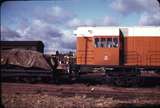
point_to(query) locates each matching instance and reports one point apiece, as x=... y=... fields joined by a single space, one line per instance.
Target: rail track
x=46 y=76
x=80 y=89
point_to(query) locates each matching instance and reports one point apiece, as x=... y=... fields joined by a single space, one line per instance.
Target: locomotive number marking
x=105 y=58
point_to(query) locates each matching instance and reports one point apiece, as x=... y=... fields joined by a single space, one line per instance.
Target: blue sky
x=54 y=21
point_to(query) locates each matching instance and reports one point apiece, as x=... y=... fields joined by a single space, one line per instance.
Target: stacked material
x=24 y=58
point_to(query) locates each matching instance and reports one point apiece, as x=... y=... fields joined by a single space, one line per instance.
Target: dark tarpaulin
x=24 y=58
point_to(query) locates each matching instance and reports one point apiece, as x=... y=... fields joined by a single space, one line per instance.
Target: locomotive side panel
x=106 y=56
x=102 y=52
x=137 y=46
x=141 y=50
x=106 y=50
x=85 y=50
x=153 y=53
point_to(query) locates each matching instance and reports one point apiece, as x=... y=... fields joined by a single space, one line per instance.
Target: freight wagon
x=123 y=52
x=27 y=45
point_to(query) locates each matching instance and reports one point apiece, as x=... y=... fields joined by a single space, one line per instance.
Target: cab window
x=97 y=42
x=103 y=42
x=115 y=42
x=107 y=42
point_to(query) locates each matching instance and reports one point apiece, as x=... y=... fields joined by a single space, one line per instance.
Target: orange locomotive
x=104 y=46
x=118 y=48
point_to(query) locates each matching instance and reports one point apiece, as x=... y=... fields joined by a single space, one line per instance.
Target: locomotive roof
x=114 y=31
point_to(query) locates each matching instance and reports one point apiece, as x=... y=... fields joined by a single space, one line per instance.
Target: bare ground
x=77 y=96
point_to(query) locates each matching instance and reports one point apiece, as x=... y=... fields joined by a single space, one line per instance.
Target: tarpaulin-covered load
x=24 y=58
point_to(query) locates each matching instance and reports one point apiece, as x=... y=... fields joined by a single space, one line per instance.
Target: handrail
x=82 y=56
x=134 y=56
x=154 y=57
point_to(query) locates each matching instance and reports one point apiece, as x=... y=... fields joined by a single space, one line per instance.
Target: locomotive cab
x=98 y=46
x=106 y=50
